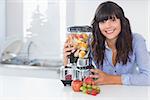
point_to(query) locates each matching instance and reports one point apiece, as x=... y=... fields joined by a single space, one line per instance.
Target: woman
x=115 y=50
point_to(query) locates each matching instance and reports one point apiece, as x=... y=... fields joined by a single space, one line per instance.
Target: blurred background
x=35 y=30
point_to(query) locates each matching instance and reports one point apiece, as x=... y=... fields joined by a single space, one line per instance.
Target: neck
x=111 y=43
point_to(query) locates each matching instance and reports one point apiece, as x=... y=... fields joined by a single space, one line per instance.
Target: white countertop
x=33 y=88
x=29 y=71
x=13 y=87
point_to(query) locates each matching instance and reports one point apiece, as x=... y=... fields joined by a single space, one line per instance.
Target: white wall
x=14 y=18
x=148 y=25
x=2 y=19
x=2 y=22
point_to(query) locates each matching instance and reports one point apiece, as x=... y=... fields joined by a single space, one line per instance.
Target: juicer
x=79 y=62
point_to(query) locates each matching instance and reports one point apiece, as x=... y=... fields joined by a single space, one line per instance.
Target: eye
x=113 y=19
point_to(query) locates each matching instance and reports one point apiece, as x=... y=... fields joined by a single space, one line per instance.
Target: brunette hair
x=108 y=10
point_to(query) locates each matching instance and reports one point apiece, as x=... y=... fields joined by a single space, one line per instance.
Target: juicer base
x=66 y=82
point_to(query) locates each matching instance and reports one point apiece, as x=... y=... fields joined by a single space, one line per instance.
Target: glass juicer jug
x=79 y=62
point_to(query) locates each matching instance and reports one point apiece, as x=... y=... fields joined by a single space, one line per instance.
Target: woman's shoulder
x=137 y=36
x=138 y=39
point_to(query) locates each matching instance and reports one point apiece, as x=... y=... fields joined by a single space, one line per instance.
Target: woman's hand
x=104 y=78
x=68 y=49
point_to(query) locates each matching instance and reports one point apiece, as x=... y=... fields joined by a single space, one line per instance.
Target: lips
x=109 y=31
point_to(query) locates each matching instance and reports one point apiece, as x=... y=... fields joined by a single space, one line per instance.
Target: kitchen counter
x=29 y=71
x=13 y=87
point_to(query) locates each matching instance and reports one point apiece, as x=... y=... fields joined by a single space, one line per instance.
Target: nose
x=108 y=23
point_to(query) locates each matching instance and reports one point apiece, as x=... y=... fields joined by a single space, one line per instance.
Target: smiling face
x=110 y=28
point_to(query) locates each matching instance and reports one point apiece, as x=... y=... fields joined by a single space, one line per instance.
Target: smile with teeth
x=109 y=31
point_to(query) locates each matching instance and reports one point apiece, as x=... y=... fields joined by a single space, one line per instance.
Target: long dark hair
x=106 y=11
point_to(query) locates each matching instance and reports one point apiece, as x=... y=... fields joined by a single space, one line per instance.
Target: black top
x=79 y=29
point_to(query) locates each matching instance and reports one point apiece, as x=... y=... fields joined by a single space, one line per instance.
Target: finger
x=67 y=54
x=94 y=76
x=69 y=46
x=67 y=40
x=97 y=77
x=96 y=71
x=65 y=45
x=98 y=82
x=68 y=50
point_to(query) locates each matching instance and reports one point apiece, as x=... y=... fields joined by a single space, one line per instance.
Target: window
x=44 y=23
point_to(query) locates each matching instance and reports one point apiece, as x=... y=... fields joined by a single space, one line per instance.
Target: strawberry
x=80 y=36
x=76 y=36
x=94 y=92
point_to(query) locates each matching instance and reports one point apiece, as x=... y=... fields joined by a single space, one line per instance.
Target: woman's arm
x=142 y=59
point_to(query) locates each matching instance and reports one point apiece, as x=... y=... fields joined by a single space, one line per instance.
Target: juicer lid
x=85 y=28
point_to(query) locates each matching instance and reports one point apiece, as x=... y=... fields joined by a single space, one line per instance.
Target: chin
x=111 y=38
